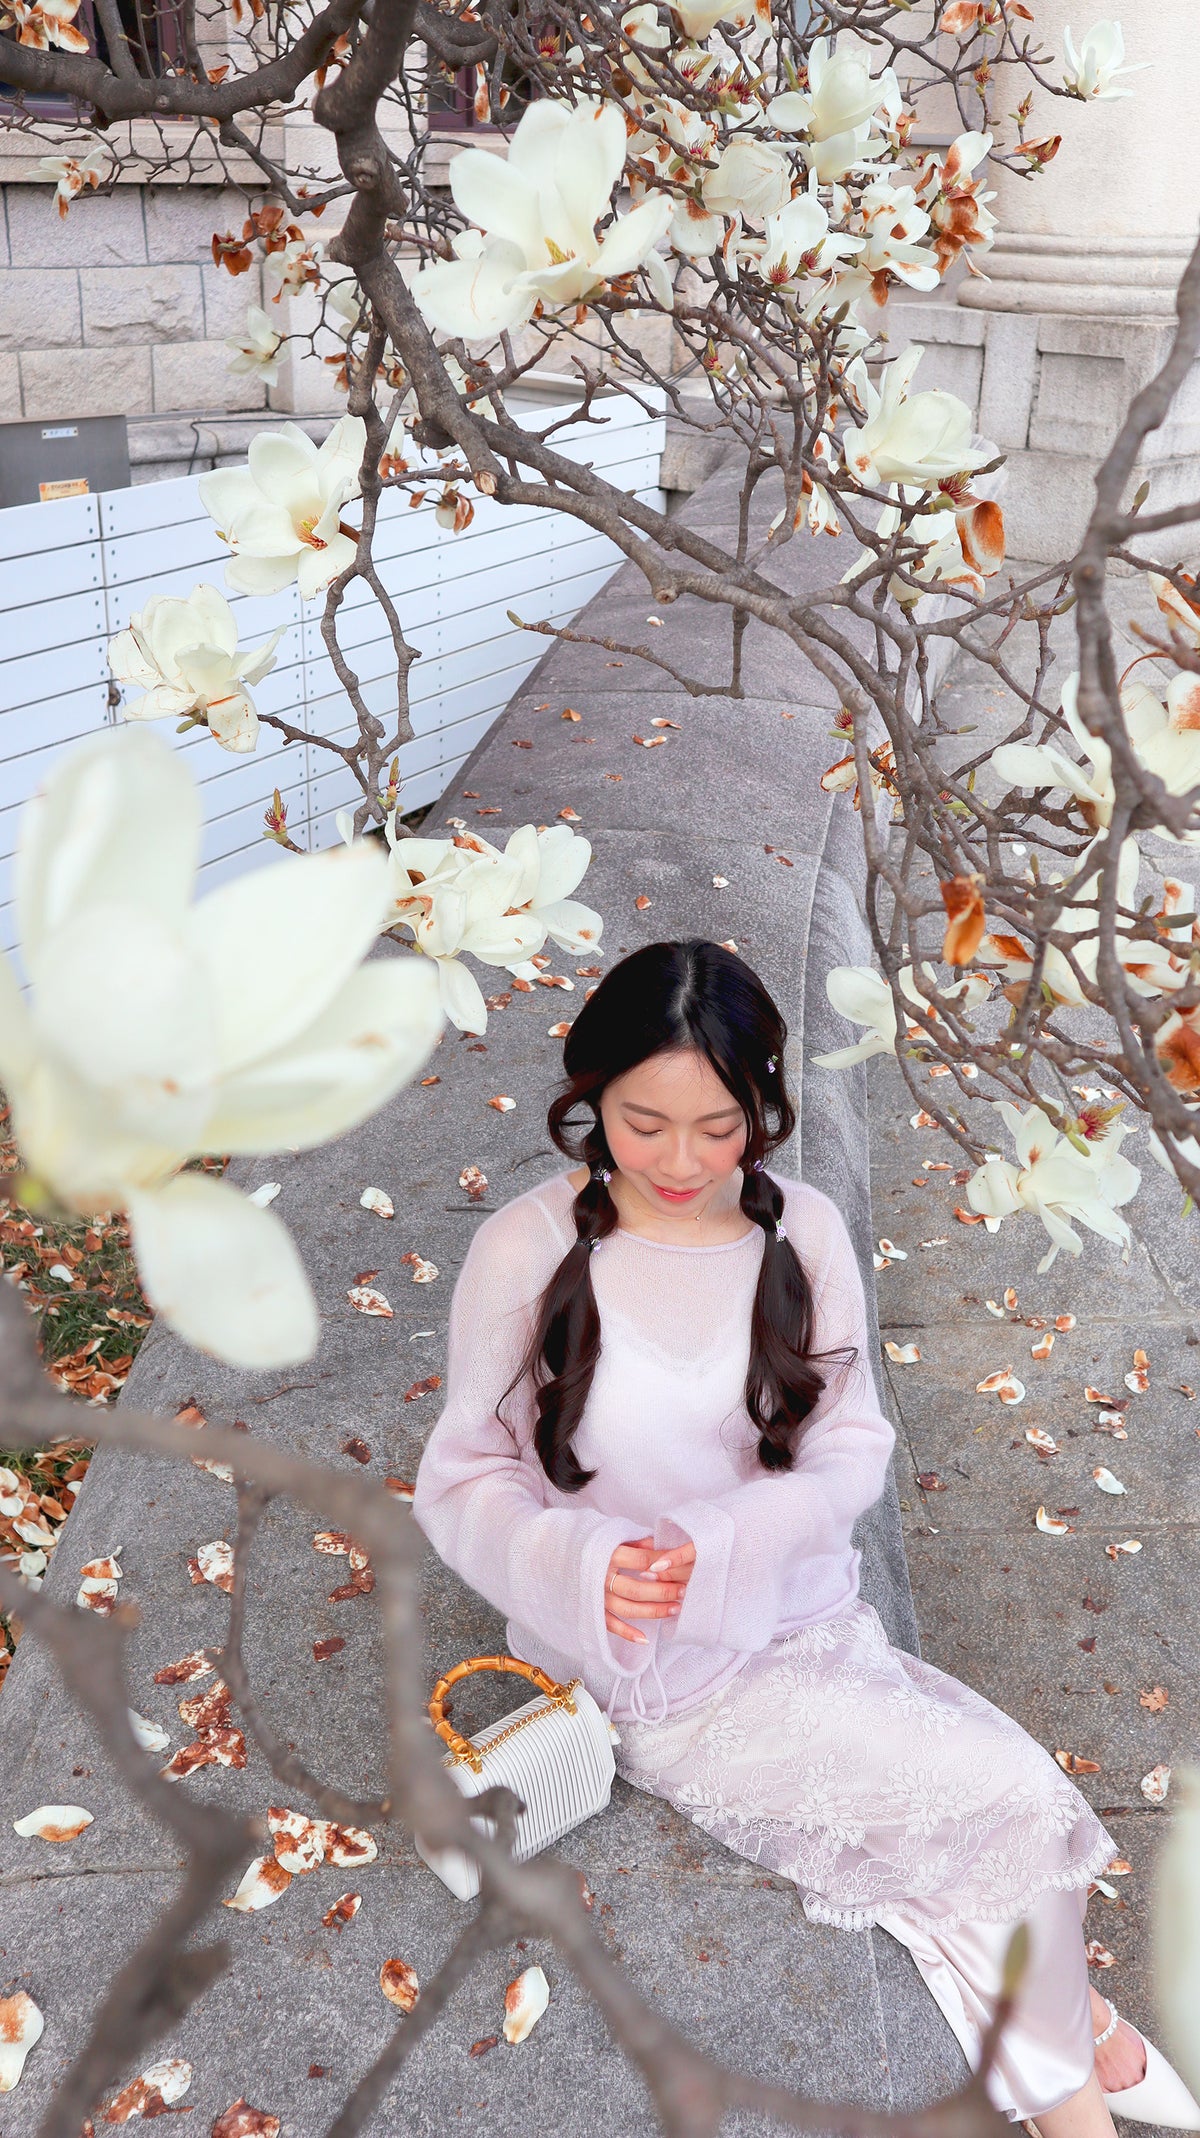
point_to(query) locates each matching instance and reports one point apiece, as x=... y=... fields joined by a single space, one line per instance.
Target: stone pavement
x=1056 y=1633
x=724 y=1951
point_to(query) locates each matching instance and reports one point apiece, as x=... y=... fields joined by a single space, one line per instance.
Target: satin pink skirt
x=893 y=1794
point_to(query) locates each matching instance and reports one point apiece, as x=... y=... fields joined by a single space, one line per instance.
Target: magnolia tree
x=708 y=202
x=714 y=201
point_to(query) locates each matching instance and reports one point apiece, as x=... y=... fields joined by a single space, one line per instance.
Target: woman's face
x=672 y=1124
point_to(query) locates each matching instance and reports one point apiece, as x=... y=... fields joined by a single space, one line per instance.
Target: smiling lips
x=676 y=1195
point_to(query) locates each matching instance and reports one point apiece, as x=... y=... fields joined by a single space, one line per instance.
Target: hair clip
x=771 y=1064
x=602 y=1173
x=780 y=1231
x=595 y=1244
x=757 y=1166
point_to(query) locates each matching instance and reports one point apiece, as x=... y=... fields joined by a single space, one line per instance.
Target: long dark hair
x=696 y=995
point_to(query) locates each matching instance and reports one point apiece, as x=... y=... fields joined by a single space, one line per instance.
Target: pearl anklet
x=1112 y=2024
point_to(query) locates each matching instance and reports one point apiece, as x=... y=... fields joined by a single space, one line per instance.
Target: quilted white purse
x=555 y=1754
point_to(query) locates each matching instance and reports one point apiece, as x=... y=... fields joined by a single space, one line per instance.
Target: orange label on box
x=76 y=488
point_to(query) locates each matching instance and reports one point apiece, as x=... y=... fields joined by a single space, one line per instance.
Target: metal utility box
x=70 y=458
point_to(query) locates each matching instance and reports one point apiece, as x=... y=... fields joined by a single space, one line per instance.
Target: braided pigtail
x=567 y=1338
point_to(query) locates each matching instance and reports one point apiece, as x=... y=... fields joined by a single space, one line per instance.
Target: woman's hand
x=644 y=1582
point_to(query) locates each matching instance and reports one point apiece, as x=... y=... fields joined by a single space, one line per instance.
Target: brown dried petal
x=209 y=1710
x=242 y=2121
x=186 y=1670
x=335 y=1542
x=149 y=2094
x=348 y=1846
x=399 y=1984
x=214 y=1563
x=342 y=1911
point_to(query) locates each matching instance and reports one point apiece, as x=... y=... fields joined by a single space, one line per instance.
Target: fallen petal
x=186 y=1670
x=1106 y=1481
x=242 y=2121
x=21 y=2025
x=343 y=1910
x=375 y=1199
x=1050 y=1525
x=154 y=2090
x=264 y=1195
x=524 y=2002
x=1071 y=1763
x=261 y=1884
x=1041 y=1439
x=349 y=1845
x=398 y=1981
x=367 y=1300
x=214 y=1563
x=902 y=1354
x=150 y=1735
x=1154 y=1785
x=53 y=1822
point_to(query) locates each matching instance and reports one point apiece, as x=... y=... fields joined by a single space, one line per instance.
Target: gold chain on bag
x=462 y=1749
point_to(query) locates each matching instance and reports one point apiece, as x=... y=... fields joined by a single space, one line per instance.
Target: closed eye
x=715 y=1135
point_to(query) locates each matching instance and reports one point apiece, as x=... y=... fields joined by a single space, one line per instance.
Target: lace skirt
x=894 y=1795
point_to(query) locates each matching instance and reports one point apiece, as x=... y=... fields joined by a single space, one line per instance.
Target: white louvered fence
x=73 y=572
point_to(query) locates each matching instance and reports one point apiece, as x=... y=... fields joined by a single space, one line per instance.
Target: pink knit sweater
x=667 y=1432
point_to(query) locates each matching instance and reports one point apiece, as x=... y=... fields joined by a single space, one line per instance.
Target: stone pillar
x=1077 y=312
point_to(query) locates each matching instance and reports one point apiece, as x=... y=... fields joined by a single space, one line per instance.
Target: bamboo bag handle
x=461 y=1747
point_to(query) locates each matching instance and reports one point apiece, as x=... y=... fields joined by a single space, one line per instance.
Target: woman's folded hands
x=643 y=1581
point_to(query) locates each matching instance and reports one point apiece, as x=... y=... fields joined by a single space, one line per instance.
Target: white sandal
x=1160 y=2096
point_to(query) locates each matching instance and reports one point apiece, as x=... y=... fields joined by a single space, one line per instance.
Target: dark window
x=451 y=100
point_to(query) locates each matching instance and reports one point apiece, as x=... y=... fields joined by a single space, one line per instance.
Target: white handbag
x=555 y=1754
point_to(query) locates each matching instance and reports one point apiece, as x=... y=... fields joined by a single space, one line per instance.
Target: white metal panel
x=73 y=572
x=42 y=530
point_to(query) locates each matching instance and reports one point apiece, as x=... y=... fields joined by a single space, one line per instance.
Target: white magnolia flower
x=281 y=514
x=946 y=560
x=799 y=243
x=1057 y=1181
x=295 y=265
x=538 y=212
x=698 y=18
x=921 y=438
x=1165 y=739
x=71 y=174
x=256 y=348
x=863 y=995
x=835 y=112
x=244 y=1022
x=498 y=906
x=1153 y=965
x=643 y=26
x=1091 y=70
x=185 y=656
x=891 y=225
x=751 y=178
